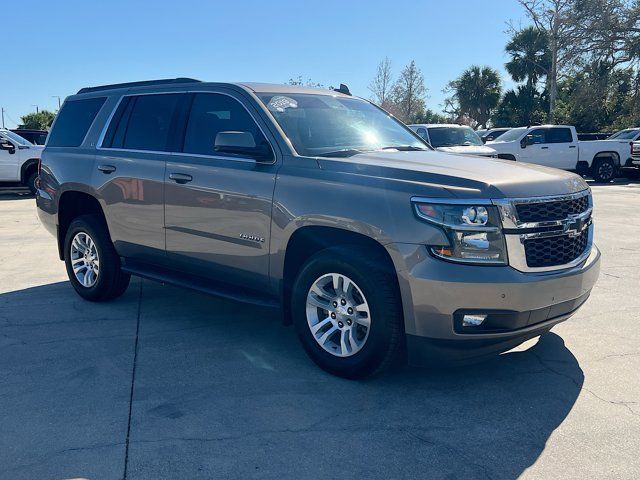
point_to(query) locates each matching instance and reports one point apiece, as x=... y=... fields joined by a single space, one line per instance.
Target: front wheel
x=93 y=266
x=604 y=170
x=347 y=312
x=31 y=182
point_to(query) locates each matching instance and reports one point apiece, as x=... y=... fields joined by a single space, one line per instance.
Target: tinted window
x=213 y=113
x=423 y=133
x=559 y=135
x=73 y=122
x=538 y=136
x=149 y=122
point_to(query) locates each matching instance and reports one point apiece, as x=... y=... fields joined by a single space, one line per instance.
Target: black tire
x=384 y=343
x=111 y=281
x=31 y=182
x=604 y=170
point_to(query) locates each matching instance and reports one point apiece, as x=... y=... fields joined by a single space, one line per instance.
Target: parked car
x=452 y=138
x=493 y=133
x=321 y=204
x=633 y=170
x=18 y=160
x=558 y=146
x=37 y=137
x=587 y=137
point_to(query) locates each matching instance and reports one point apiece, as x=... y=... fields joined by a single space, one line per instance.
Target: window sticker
x=280 y=103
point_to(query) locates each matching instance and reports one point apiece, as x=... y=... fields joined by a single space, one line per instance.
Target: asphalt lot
x=167 y=383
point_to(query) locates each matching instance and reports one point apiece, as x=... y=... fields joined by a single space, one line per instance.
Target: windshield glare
x=453 y=136
x=16 y=138
x=322 y=124
x=625 y=135
x=511 y=135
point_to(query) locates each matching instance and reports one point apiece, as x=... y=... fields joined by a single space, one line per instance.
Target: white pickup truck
x=18 y=160
x=558 y=146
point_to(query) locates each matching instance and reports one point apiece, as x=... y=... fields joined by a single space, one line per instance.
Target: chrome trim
x=515 y=241
x=453 y=201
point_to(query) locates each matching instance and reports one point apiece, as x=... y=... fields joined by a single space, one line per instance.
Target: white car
x=558 y=146
x=452 y=138
x=19 y=160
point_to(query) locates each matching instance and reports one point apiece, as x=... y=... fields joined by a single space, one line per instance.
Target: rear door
x=562 y=147
x=218 y=206
x=129 y=173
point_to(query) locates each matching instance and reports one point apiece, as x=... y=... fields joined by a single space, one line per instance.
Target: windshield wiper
x=405 y=148
x=345 y=152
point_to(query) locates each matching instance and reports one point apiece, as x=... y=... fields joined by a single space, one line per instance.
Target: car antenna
x=343 y=89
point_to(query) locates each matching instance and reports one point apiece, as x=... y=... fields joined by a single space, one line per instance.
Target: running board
x=200 y=284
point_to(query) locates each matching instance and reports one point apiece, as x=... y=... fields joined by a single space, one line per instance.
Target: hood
x=469 y=150
x=461 y=176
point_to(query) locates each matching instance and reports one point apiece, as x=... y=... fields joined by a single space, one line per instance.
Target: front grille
x=550 y=211
x=553 y=251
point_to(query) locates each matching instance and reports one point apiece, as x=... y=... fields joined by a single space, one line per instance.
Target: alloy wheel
x=338 y=315
x=84 y=259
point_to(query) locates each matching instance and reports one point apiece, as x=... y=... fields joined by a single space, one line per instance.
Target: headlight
x=473 y=231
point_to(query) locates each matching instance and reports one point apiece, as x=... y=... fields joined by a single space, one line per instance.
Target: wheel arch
x=27 y=168
x=71 y=205
x=308 y=240
x=606 y=154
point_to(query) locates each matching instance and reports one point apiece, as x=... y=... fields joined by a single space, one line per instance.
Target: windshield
x=328 y=125
x=16 y=138
x=453 y=136
x=511 y=135
x=625 y=135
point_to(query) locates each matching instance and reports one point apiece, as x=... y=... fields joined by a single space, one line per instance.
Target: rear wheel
x=604 y=170
x=31 y=182
x=93 y=265
x=347 y=312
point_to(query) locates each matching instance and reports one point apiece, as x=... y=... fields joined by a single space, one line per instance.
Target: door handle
x=572 y=146
x=180 y=177
x=544 y=148
x=106 y=168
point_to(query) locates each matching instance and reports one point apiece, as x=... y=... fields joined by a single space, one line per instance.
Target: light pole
x=37 y=109
x=56 y=96
x=2 y=117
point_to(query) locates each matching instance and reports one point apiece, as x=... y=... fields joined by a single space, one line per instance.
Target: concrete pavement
x=167 y=383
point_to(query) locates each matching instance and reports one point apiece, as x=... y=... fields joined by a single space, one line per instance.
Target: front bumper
x=435 y=293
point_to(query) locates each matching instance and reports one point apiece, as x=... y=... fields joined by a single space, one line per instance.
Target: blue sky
x=55 y=48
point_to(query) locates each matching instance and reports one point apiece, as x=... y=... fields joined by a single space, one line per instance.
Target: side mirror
x=241 y=143
x=8 y=146
x=527 y=140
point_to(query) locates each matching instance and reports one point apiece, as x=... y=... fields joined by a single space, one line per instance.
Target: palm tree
x=477 y=93
x=530 y=56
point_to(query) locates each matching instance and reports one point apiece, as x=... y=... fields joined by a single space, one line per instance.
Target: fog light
x=473 y=320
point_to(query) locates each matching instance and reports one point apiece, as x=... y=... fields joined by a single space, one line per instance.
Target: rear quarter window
x=73 y=122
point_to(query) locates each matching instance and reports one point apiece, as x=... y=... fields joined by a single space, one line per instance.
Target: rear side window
x=142 y=122
x=212 y=113
x=559 y=135
x=73 y=122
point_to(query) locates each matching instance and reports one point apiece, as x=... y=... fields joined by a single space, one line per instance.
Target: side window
x=560 y=135
x=212 y=113
x=423 y=133
x=73 y=122
x=142 y=122
x=538 y=135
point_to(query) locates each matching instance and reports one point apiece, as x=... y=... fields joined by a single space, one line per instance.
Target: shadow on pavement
x=224 y=390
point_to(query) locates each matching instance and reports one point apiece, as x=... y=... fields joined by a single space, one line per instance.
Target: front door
x=218 y=206
x=9 y=171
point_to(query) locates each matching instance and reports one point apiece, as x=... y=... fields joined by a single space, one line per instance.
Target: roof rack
x=145 y=83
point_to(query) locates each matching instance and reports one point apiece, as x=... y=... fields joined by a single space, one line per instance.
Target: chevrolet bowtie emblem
x=575 y=226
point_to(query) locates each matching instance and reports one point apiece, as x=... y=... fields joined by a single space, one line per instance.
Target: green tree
x=530 y=59
x=522 y=106
x=38 y=120
x=408 y=94
x=477 y=93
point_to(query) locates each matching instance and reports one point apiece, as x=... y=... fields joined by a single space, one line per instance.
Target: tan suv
x=320 y=204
